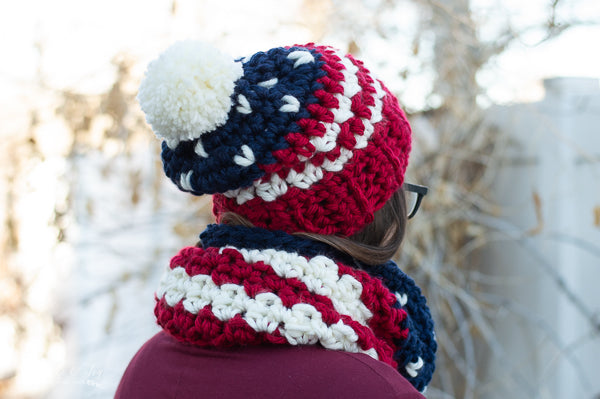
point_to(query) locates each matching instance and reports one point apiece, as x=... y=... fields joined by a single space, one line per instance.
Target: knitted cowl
x=251 y=286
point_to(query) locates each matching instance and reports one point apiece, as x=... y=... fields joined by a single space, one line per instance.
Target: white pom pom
x=187 y=91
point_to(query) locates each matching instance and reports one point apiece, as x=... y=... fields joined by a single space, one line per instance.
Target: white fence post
x=549 y=191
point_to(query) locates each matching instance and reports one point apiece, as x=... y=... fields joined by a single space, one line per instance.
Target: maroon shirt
x=165 y=368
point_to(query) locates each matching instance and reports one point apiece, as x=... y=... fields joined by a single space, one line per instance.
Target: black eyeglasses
x=414 y=195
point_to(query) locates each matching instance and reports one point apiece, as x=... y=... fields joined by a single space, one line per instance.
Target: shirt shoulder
x=165 y=368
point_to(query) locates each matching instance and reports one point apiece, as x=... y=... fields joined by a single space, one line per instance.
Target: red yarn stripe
x=204 y=329
x=229 y=267
x=321 y=110
x=386 y=319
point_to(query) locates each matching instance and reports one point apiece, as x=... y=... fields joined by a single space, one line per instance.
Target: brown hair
x=375 y=244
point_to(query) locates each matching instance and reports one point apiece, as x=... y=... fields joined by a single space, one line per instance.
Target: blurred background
x=504 y=101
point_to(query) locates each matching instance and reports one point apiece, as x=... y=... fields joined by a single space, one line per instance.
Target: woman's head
x=300 y=139
x=374 y=244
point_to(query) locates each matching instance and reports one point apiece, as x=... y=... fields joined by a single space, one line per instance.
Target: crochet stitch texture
x=298 y=138
x=247 y=286
x=312 y=142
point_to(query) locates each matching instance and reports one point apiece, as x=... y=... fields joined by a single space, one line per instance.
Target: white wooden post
x=549 y=190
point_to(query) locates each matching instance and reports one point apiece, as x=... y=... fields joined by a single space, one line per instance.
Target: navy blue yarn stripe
x=420 y=342
x=263 y=130
x=219 y=235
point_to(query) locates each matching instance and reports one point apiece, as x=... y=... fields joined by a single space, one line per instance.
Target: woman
x=292 y=294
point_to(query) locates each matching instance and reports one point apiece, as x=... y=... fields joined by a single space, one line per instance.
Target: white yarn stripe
x=244 y=107
x=402 y=298
x=199 y=149
x=268 y=191
x=301 y=324
x=184 y=181
x=350 y=83
x=301 y=57
x=275 y=187
x=413 y=368
x=268 y=83
x=319 y=274
x=351 y=87
x=247 y=159
x=291 y=104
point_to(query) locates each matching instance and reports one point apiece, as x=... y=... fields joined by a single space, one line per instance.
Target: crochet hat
x=298 y=138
